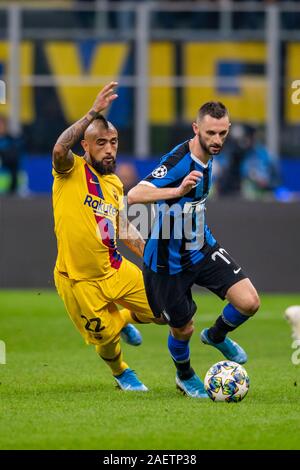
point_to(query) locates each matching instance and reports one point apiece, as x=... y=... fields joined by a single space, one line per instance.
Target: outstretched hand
x=105 y=97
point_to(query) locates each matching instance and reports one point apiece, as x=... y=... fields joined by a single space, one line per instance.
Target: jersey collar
x=193 y=157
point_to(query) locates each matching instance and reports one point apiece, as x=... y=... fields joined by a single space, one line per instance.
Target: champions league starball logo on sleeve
x=2 y=92
x=160 y=172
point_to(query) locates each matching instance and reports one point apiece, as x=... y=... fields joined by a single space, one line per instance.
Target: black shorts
x=171 y=296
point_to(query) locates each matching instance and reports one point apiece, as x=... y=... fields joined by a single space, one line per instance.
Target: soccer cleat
x=292 y=315
x=192 y=387
x=129 y=382
x=131 y=335
x=230 y=349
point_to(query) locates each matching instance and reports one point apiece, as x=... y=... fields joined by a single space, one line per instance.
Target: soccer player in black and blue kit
x=181 y=250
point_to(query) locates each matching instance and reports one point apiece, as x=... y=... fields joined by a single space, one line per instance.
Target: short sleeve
x=64 y=174
x=167 y=174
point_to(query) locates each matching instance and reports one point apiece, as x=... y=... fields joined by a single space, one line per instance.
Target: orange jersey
x=86 y=206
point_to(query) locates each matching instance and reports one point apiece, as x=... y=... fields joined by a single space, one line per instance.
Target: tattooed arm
x=130 y=236
x=62 y=157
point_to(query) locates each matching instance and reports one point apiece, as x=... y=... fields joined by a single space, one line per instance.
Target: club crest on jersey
x=160 y=172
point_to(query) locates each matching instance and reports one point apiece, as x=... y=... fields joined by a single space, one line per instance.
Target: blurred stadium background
x=168 y=57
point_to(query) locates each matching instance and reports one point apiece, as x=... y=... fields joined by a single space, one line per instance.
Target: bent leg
x=98 y=322
x=244 y=303
x=244 y=297
x=131 y=295
x=112 y=355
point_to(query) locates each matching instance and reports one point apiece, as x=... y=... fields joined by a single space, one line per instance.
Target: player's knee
x=183 y=332
x=251 y=304
x=189 y=330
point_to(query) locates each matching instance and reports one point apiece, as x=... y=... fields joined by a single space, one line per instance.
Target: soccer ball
x=226 y=381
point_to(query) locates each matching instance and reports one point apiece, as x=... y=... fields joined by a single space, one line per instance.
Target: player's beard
x=102 y=168
x=206 y=148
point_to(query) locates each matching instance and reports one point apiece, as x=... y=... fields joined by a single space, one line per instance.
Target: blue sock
x=230 y=319
x=179 y=349
x=180 y=353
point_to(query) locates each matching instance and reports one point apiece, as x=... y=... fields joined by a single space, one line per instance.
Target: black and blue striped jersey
x=179 y=236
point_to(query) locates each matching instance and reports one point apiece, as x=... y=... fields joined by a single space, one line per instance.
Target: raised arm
x=145 y=192
x=62 y=157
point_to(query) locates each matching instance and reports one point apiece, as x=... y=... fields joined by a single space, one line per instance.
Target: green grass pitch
x=55 y=392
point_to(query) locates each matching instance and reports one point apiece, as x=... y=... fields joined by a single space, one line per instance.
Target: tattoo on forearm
x=131 y=236
x=137 y=246
x=71 y=135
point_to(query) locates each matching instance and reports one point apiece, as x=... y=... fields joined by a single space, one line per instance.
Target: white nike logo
x=94 y=182
x=166 y=315
x=236 y=270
